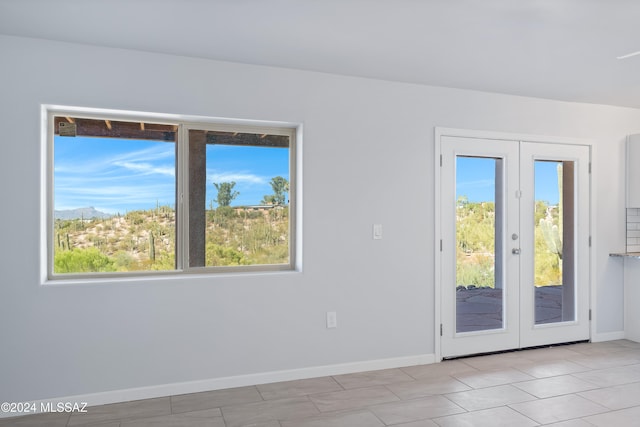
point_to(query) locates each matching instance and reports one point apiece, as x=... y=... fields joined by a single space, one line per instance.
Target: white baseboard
x=608 y=336
x=150 y=392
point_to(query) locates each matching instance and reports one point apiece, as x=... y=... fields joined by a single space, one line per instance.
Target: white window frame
x=184 y=123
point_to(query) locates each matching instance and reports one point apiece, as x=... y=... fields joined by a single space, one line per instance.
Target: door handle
x=515 y=251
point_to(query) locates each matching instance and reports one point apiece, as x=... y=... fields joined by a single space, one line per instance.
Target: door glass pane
x=479 y=267
x=554 y=243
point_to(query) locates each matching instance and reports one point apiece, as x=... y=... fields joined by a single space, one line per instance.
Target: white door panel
x=498 y=328
x=541 y=324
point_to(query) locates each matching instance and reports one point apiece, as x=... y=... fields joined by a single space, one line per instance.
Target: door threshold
x=489 y=353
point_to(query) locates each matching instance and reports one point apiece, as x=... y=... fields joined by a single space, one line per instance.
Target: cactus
x=152 y=247
x=551 y=234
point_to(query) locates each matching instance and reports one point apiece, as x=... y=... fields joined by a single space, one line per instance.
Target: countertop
x=627 y=255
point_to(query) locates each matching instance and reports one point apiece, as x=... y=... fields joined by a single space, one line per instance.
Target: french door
x=515 y=244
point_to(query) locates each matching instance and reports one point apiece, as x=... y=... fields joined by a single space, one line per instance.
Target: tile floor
x=579 y=385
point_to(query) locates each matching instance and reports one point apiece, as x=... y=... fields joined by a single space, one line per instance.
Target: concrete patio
x=481 y=308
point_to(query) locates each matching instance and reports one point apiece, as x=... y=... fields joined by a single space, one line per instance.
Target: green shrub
x=89 y=260
x=219 y=255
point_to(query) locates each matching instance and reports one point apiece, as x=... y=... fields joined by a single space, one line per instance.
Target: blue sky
x=251 y=168
x=120 y=175
x=476 y=180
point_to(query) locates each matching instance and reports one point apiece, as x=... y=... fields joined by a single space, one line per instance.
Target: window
x=129 y=195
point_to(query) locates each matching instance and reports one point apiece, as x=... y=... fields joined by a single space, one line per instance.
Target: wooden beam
x=166 y=132
x=247 y=139
x=118 y=129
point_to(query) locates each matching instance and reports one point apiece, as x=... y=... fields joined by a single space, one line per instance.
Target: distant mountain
x=86 y=213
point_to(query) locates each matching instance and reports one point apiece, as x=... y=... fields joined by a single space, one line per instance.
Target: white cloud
x=147 y=155
x=237 y=177
x=115 y=198
x=147 y=168
x=481 y=183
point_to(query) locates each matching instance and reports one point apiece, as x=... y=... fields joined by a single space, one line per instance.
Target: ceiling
x=556 y=49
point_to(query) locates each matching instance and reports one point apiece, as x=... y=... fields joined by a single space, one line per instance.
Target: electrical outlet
x=332 y=319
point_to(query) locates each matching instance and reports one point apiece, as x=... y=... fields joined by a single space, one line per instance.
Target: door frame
x=439 y=132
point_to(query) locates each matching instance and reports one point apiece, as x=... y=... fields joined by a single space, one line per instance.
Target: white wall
x=368 y=158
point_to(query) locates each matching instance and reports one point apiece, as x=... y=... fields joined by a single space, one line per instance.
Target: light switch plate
x=377 y=231
x=332 y=319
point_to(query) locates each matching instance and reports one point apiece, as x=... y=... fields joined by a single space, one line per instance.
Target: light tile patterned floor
x=577 y=385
